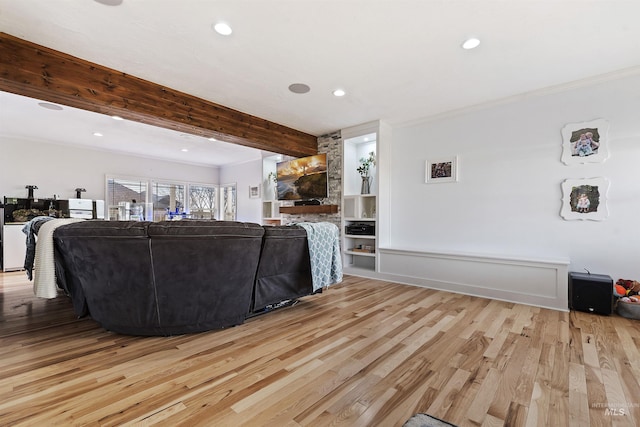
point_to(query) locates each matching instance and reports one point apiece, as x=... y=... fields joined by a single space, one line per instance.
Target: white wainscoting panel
x=541 y=283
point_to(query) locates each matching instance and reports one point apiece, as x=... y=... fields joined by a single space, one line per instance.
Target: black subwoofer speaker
x=592 y=293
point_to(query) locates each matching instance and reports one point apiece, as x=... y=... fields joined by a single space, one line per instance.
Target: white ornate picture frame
x=441 y=170
x=585 y=142
x=585 y=199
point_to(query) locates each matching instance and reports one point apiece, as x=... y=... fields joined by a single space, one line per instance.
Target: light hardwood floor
x=364 y=353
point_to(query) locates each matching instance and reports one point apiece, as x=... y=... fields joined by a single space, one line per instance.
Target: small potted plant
x=365 y=165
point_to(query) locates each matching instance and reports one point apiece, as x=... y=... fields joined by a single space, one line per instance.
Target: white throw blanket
x=324 y=252
x=44 y=278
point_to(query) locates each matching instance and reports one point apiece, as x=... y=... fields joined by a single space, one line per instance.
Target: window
x=202 y=201
x=167 y=199
x=228 y=202
x=122 y=191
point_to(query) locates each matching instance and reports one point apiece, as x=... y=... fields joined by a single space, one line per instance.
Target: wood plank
x=309 y=209
x=39 y=72
x=578 y=401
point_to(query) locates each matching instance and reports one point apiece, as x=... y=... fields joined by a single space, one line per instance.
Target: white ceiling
x=22 y=118
x=398 y=61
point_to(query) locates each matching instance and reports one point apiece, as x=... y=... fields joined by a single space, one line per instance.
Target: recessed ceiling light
x=471 y=43
x=117 y=118
x=222 y=28
x=299 y=88
x=110 y=2
x=97 y=134
x=184 y=150
x=339 y=92
x=50 y=106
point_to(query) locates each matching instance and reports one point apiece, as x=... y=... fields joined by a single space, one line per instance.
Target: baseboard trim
x=537 y=282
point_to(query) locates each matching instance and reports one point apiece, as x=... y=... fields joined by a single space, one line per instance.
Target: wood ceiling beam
x=38 y=72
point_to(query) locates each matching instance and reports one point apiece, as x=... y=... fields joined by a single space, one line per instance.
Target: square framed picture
x=441 y=170
x=585 y=142
x=585 y=199
x=254 y=192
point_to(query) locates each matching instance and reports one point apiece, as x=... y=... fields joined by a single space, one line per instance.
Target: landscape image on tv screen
x=302 y=179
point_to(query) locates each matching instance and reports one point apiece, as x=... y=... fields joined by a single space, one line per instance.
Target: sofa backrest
x=204 y=271
x=108 y=265
x=284 y=271
x=161 y=278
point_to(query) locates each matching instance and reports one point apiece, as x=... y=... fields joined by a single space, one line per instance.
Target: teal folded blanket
x=324 y=252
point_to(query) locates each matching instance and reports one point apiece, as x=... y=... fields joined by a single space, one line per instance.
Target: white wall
x=245 y=175
x=508 y=197
x=59 y=169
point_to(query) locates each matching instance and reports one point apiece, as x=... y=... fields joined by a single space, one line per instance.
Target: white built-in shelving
x=359 y=251
x=271 y=212
x=270 y=204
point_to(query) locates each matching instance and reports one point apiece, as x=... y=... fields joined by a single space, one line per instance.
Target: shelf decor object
x=273 y=180
x=441 y=170
x=363 y=169
x=585 y=199
x=366 y=185
x=585 y=142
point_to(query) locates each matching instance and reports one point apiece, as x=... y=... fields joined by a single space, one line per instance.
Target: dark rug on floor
x=424 y=420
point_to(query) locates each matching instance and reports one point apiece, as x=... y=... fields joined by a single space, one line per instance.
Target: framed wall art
x=442 y=170
x=585 y=199
x=254 y=192
x=585 y=142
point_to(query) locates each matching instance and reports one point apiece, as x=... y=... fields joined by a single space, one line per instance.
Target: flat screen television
x=303 y=179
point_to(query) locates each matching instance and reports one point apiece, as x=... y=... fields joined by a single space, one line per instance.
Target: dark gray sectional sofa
x=176 y=277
